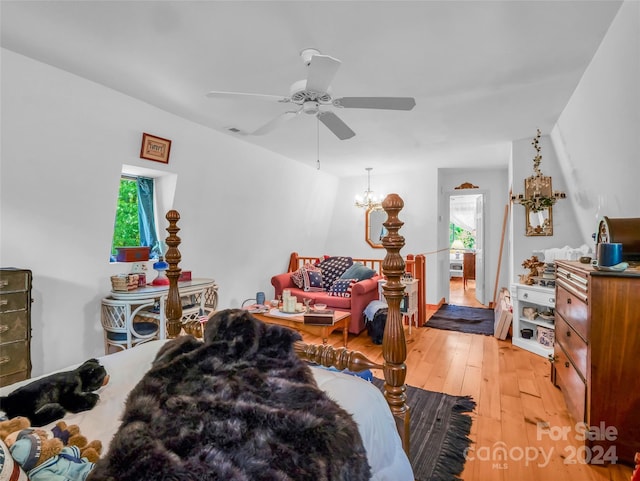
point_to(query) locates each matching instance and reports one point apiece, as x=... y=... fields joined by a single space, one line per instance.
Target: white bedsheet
x=357 y=396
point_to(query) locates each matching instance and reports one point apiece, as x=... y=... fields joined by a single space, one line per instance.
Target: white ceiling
x=483 y=73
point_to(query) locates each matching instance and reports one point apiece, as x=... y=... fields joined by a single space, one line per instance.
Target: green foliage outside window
x=126 y=231
x=467 y=238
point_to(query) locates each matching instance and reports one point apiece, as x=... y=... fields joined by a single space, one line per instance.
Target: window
x=135 y=216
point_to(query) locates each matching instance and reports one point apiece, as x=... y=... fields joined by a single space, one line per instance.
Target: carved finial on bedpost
x=173 y=258
x=394 y=349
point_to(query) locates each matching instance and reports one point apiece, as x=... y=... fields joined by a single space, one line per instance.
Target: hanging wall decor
x=538 y=198
x=155 y=148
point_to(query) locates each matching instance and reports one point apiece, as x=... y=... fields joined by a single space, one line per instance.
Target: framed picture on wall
x=155 y=148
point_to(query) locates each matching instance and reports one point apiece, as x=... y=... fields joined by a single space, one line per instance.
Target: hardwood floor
x=515 y=400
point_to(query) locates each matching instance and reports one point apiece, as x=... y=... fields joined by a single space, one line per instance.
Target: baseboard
x=435 y=307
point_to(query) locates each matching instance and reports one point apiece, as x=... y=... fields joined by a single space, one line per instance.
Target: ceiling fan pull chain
x=318 y=141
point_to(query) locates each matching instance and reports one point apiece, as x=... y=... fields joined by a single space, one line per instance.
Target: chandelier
x=539 y=194
x=368 y=200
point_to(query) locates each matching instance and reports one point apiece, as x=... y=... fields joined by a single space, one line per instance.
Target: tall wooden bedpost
x=173 y=258
x=395 y=351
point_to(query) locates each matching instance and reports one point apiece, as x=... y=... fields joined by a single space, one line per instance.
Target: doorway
x=466 y=255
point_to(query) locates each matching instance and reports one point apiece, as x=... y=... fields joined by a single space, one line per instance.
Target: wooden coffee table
x=341 y=321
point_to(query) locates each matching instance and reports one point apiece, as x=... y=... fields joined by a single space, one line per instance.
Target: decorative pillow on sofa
x=358 y=271
x=342 y=287
x=9 y=469
x=296 y=277
x=332 y=268
x=312 y=280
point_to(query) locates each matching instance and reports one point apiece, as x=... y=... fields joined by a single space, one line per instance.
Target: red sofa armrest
x=281 y=282
x=365 y=286
x=362 y=293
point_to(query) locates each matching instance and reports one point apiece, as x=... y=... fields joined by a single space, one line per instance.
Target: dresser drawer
x=14 y=326
x=573 y=310
x=575 y=282
x=535 y=297
x=14 y=280
x=14 y=301
x=573 y=387
x=14 y=357
x=573 y=345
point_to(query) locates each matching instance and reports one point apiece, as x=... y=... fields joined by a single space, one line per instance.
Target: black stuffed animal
x=49 y=398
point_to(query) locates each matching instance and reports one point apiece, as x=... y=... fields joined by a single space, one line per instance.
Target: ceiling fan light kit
x=313 y=97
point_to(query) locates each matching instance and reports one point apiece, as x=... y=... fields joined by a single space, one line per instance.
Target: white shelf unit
x=540 y=298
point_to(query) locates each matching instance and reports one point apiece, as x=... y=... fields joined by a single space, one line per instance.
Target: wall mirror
x=374 y=231
x=539 y=222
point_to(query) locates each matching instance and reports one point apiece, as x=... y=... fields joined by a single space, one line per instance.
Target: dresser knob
x=569 y=301
x=568 y=333
x=4 y=359
x=566 y=364
x=525 y=295
x=3 y=328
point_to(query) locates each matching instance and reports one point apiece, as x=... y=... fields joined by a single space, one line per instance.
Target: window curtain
x=462 y=212
x=147 y=217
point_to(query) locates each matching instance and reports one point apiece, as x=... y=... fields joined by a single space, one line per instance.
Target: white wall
x=64 y=140
x=598 y=134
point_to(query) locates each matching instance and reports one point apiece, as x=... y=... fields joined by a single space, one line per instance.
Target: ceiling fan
x=313 y=94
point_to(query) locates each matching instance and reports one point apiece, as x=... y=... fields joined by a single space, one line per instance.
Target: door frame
x=444 y=273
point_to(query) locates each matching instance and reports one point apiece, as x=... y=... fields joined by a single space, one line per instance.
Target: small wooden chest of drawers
x=596 y=353
x=15 y=325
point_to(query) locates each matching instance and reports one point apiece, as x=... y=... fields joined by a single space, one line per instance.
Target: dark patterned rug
x=439 y=433
x=473 y=320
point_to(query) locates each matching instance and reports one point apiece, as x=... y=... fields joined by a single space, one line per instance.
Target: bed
x=382 y=420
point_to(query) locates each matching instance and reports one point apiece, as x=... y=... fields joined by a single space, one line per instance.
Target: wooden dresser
x=597 y=355
x=15 y=325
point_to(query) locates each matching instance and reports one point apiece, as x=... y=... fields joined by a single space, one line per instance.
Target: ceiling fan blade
x=387 y=103
x=322 y=69
x=274 y=123
x=336 y=125
x=240 y=95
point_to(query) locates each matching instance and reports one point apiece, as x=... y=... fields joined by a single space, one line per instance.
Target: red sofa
x=362 y=293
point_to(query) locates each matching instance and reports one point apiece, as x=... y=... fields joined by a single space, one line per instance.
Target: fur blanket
x=239 y=405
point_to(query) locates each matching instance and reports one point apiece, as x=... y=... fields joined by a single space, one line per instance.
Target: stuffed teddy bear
x=48 y=459
x=9 y=426
x=49 y=398
x=69 y=435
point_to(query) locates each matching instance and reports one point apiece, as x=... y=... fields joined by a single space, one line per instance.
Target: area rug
x=473 y=320
x=439 y=433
